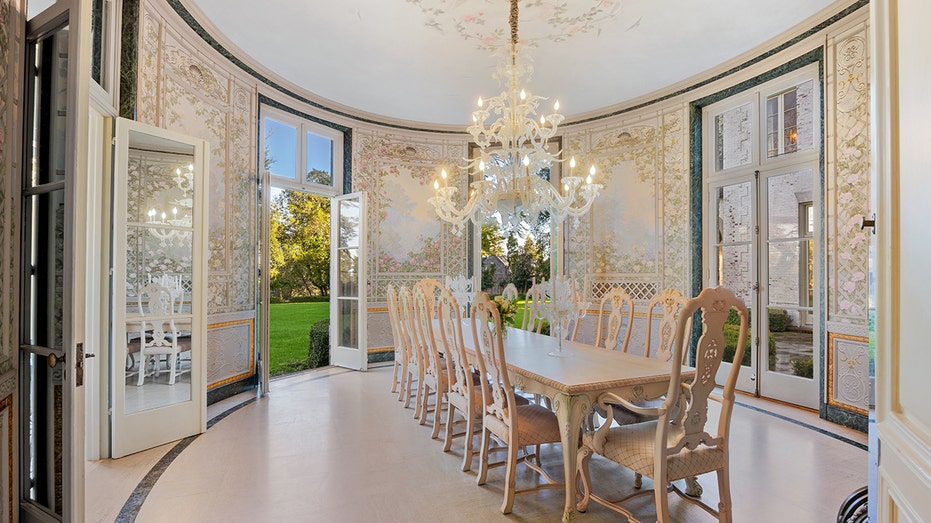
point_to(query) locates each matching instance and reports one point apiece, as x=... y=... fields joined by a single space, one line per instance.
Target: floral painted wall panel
x=848 y=201
x=406 y=240
x=636 y=235
x=849 y=180
x=181 y=88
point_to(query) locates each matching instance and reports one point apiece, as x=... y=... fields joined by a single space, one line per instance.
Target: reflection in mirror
x=159 y=270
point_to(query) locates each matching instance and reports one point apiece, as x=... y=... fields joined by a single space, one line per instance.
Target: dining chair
x=463 y=392
x=411 y=351
x=434 y=374
x=158 y=335
x=510 y=292
x=533 y=302
x=516 y=426
x=400 y=355
x=611 y=318
x=679 y=442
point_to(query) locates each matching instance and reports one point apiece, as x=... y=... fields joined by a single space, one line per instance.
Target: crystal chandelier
x=165 y=226
x=513 y=149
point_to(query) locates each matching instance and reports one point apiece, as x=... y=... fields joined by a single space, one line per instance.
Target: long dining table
x=573 y=382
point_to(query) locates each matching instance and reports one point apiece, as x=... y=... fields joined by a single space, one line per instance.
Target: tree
x=300 y=245
x=492 y=238
x=523 y=263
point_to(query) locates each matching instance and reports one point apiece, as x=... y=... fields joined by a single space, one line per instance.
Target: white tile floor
x=334 y=445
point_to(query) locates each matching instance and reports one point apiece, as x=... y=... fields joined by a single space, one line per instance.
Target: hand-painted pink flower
x=468 y=19
x=858 y=276
x=489 y=40
x=845 y=305
x=850 y=286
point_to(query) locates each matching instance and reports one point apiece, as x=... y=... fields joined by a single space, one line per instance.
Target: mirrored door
x=159 y=275
x=349 y=287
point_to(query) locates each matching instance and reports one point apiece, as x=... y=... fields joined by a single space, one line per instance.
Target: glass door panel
x=159 y=270
x=788 y=269
x=348 y=347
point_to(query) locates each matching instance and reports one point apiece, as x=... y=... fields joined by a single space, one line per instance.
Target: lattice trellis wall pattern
x=849 y=180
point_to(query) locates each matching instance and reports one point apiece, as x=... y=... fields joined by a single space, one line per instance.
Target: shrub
x=730 y=345
x=778 y=320
x=804 y=367
x=318 y=352
x=309 y=299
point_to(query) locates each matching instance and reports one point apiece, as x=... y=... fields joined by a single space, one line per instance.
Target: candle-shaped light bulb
x=588 y=179
x=174 y=212
x=526 y=161
x=523 y=94
x=592 y=170
x=556 y=106
x=542 y=120
x=164 y=216
x=443 y=173
x=178 y=171
x=572 y=162
x=190 y=167
x=481 y=165
x=480 y=102
x=565 y=187
x=474 y=119
x=151 y=214
x=436 y=184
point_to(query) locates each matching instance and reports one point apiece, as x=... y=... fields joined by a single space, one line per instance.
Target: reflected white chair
x=516 y=426
x=679 y=443
x=158 y=334
x=611 y=318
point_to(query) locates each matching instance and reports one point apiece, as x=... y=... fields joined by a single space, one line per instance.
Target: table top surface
x=584 y=368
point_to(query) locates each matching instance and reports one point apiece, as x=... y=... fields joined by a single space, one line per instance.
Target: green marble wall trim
x=849 y=419
x=129 y=58
x=852 y=8
x=347 y=135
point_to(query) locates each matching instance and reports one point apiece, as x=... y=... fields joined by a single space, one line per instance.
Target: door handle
x=53 y=359
x=864 y=223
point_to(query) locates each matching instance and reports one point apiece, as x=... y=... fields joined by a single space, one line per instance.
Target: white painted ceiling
x=429 y=60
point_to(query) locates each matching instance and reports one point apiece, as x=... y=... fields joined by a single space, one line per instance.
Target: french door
x=348 y=282
x=763 y=217
x=765 y=249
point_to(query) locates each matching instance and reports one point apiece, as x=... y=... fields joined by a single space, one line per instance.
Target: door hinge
x=756 y=230
x=756 y=286
x=756 y=341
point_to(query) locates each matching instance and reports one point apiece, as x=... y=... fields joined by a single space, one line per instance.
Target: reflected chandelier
x=512 y=151
x=165 y=234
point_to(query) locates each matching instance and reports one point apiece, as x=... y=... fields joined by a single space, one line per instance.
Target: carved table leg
x=570 y=410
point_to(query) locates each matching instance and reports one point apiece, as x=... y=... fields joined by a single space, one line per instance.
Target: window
x=300 y=154
x=790 y=120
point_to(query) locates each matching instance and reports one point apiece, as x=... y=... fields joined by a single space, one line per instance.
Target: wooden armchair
x=678 y=442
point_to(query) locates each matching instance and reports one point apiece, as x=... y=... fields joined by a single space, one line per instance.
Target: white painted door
x=348 y=282
x=901 y=135
x=158 y=309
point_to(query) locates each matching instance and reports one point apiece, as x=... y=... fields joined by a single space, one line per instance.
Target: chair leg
x=469 y=436
x=483 y=457
x=409 y=390
x=724 y=493
x=437 y=413
x=403 y=379
x=661 y=493
x=418 y=401
x=450 y=417
x=172 y=365
x=394 y=375
x=585 y=455
x=143 y=361
x=425 y=403
x=510 y=479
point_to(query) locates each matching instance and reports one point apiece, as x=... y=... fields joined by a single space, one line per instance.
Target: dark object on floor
x=854 y=508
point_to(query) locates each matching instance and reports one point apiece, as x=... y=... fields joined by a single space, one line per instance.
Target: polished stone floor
x=334 y=445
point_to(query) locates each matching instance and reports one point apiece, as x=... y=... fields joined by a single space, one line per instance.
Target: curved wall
x=645 y=152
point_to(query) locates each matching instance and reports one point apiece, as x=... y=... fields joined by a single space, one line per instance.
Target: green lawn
x=289 y=334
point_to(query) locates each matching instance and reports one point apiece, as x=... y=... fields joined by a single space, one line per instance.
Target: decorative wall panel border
x=6 y=459
x=234 y=359
x=848 y=372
